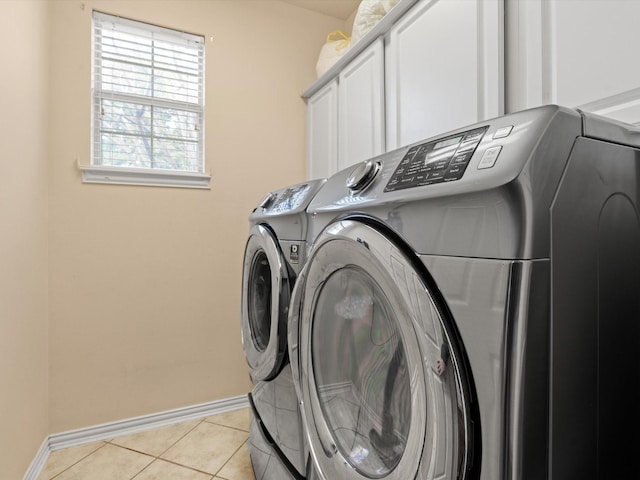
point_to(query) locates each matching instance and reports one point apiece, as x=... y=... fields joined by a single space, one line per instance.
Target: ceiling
x=341 y=9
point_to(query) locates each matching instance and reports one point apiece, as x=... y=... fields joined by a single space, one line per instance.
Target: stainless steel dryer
x=274 y=253
x=470 y=306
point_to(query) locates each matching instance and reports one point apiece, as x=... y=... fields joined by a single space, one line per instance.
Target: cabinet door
x=322 y=132
x=444 y=64
x=361 y=132
x=575 y=53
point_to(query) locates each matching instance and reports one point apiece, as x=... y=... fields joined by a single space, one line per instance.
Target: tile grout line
x=115 y=445
x=229 y=459
x=159 y=457
x=75 y=463
x=176 y=442
x=152 y=462
x=234 y=453
x=164 y=451
x=153 y=457
x=226 y=426
x=214 y=475
x=185 y=466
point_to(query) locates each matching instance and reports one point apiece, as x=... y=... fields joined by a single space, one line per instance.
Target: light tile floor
x=214 y=448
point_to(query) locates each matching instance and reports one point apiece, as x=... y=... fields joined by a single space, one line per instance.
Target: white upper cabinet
x=345 y=118
x=427 y=67
x=361 y=131
x=444 y=68
x=322 y=132
x=575 y=53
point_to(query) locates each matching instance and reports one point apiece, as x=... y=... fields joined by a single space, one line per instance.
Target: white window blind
x=148 y=96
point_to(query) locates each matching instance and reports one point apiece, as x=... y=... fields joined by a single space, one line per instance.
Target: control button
x=440 y=164
x=412 y=150
x=267 y=201
x=461 y=159
x=473 y=137
x=413 y=168
x=467 y=146
x=489 y=158
x=419 y=156
x=503 y=132
x=453 y=171
x=404 y=181
x=436 y=175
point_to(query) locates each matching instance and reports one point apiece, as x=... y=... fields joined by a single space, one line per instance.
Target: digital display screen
x=444 y=152
x=440 y=161
x=447 y=143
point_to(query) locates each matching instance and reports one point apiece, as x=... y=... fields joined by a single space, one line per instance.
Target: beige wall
x=145 y=282
x=347 y=26
x=23 y=237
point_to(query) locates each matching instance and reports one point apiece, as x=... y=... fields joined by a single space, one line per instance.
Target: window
x=148 y=104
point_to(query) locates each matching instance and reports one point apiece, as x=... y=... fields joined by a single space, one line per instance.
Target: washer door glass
x=259 y=298
x=360 y=371
x=381 y=391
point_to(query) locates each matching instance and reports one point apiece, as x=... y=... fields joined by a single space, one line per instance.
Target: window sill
x=144 y=177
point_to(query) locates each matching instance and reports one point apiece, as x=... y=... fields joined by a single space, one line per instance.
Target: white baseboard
x=106 y=431
x=39 y=462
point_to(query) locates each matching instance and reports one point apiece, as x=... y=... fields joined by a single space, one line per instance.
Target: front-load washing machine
x=275 y=251
x=470 y=306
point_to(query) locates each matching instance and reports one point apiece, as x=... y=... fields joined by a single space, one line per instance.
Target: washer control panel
x=443 y=160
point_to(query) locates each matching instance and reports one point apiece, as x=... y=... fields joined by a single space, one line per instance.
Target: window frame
x=130 y=175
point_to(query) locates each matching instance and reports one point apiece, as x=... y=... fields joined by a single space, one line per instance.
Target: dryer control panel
x=443 y=160
x=290 y=199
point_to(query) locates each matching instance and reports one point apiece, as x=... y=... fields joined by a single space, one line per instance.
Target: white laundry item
x=369 y=13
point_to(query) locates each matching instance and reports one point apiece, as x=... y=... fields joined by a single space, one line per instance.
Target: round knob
x=268 y=200
x=363 y=175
